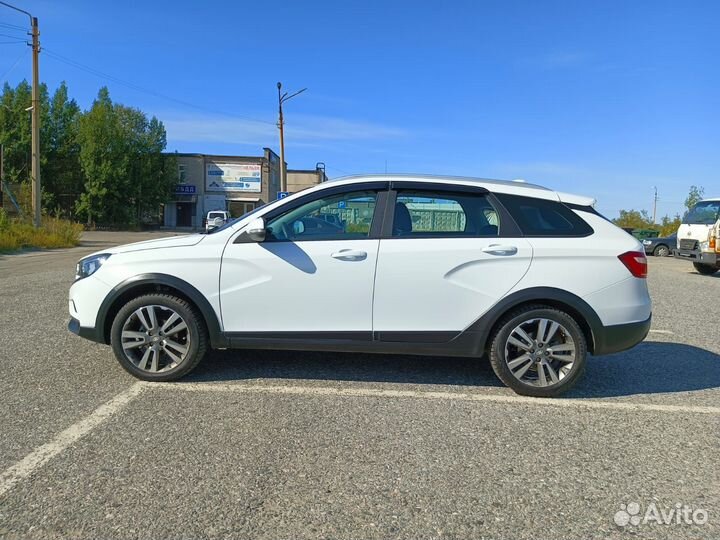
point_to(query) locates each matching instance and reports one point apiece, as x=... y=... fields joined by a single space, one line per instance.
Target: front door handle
x=499 y=249
x=349 y=255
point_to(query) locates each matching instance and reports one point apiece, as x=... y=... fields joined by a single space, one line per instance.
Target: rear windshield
x=216 y=214
x=703 y=213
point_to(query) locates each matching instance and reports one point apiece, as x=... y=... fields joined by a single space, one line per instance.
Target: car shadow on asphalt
x=650 y=368
x=653 y=367
x=329 y=366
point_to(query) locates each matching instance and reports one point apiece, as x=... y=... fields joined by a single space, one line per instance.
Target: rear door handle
x=499 y=249
x=349 y=255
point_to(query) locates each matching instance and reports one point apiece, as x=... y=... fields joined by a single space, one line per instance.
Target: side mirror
x=256 y=230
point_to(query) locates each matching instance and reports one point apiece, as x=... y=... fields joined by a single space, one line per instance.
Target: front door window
x=347 y=216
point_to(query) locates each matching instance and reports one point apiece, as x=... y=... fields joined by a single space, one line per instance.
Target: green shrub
x=4 y=220
x=54 y=233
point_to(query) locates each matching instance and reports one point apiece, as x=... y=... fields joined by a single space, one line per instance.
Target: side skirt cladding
x=470 y=342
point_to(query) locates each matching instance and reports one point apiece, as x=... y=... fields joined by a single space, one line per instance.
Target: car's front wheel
x=158 y=337
x=538 y=351
x=705 y=269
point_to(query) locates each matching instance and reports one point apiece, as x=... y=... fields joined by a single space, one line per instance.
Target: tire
x=164 y=337
x=534 y=380
x=661 y=251
x=705 y=269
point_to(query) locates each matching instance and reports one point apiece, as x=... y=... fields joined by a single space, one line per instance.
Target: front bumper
x=619 y=337
x=697 y=256
x=83 y=331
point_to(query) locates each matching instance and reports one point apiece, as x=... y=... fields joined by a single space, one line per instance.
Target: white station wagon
x=425 y=265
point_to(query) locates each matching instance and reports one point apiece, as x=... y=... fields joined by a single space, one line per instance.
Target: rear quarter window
x=540 y=217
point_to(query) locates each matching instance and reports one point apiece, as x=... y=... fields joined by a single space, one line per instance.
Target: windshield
x=703 y=213
x=214 y=215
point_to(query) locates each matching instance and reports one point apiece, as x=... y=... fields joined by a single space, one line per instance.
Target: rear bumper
x=697 y=256
x=84 y=331
x=619 y=337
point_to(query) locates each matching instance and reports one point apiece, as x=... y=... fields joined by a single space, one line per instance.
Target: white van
x=697 y=237
x=215 y=219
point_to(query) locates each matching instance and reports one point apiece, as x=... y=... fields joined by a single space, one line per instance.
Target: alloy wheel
x=540 y=352
x=155 y=338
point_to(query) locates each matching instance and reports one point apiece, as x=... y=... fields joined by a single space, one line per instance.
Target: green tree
x=127 y=176
x=15 y=131
x=696 y=194
x=669 y=225
x=636 y=219
x=62 y=176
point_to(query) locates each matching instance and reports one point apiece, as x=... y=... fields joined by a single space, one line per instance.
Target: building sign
x=185 y=189
x=233 y=177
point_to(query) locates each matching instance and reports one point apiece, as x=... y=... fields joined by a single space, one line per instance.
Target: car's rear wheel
x=661 y=251
x=538 y=351
x=158 y=337
x=705 y=269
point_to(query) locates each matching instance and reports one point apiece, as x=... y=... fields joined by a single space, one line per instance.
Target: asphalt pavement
x=262 y=444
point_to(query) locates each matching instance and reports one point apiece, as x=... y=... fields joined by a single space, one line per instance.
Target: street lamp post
x=282 y=98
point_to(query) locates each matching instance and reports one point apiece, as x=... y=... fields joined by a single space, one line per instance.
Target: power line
x=338 y=170
x=13 y=26
x=2 y=77
x=10 y=36
x=138 y=88
x=16 y=41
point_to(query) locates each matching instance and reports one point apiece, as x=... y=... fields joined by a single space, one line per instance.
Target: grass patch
x=54 y=233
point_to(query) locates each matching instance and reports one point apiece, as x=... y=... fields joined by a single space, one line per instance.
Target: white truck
x=698 y=238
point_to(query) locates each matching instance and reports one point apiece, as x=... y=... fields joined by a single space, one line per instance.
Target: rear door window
x=443 y=214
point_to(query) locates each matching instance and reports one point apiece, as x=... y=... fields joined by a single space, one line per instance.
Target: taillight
x=636 y=262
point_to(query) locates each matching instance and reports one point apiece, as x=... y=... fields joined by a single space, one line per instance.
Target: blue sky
x=606 y=99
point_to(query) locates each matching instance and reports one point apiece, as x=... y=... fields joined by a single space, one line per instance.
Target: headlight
x=87 y=267
x=704 y=246
x=646 y=242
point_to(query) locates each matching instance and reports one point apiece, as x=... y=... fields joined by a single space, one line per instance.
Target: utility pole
x=655 y=200
x=283 y=183
x=35 y=108
x=282 y=98
x=36 y=191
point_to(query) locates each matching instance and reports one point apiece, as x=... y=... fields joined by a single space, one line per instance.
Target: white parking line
x=421 y=394
x=668 y=332
x=41 y=455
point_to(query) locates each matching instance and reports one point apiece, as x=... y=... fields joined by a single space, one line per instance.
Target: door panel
x=298 y=286
x=314 y=272
x=444 y=284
